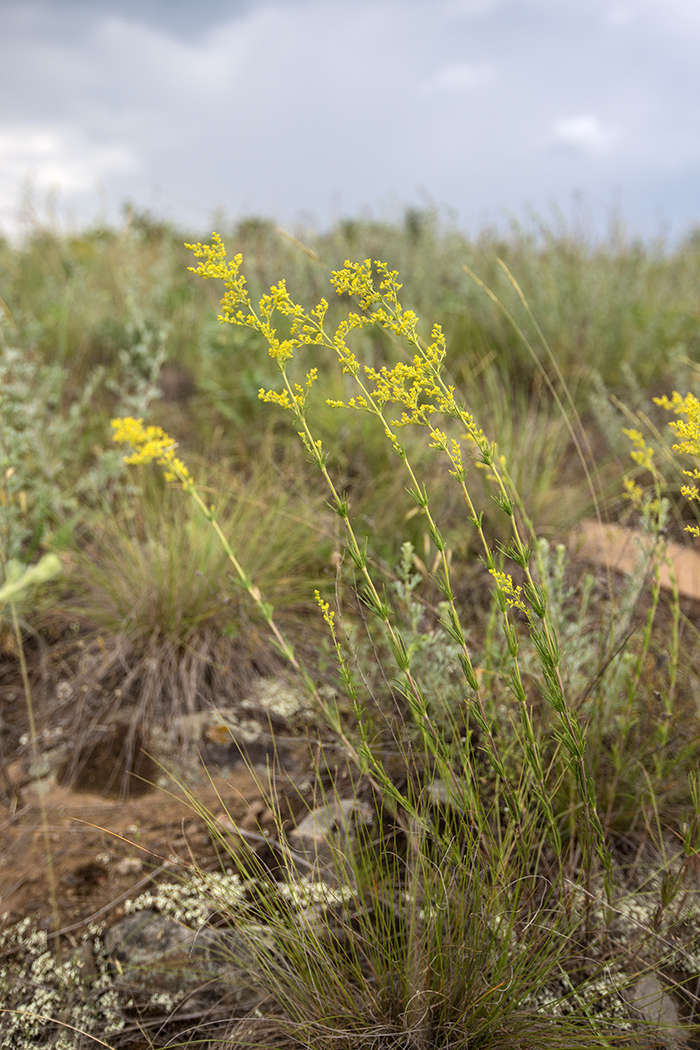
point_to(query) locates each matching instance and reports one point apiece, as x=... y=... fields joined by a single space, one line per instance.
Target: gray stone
x=446 y=795
x=328 y=836
x=153 y=953
x=154 y=956
x=650 y=998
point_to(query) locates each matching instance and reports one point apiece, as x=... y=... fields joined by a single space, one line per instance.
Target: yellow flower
x=328 y=614
x=151 y=443
x=633 y=491
x=688 y=430
x=274 y=397
x=642 y=453
x=509 y=590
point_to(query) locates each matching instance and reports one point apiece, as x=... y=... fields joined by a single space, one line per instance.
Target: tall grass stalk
x=19 y=580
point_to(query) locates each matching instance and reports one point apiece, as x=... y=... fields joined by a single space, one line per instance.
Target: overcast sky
x=308 y=110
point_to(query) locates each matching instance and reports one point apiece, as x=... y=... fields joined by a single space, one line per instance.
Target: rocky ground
x=115 y=818
x=87 y=832
x=122 y=845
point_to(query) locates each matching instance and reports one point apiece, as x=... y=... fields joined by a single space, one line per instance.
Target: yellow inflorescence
x=274 y=397
x=415 y=387
x=151 y=443
x=328 y=614
x=329 y=617
x=641 y=453
x=633 y=491
x=356 y=279
x=688 y=430
x=510 y=591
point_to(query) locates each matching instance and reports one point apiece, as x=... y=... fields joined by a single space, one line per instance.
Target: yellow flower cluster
x=328 y=614
x=641 y=453
x=151 y=443
x=415 y=387
x=305 y=329
x=216 y=266
x=510 y=591
x=356 y=279
x=688 y=430
x=293 y=397
x=633 y=492
x=412 y=385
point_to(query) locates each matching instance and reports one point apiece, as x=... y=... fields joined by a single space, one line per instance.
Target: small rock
x=329 y=834
x=155 y=955
x=129 y=866
x=650 y=998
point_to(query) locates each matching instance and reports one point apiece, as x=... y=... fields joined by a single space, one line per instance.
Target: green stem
x=35 y=756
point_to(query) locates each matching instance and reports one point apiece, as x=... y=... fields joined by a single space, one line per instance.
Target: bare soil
x=104 y=851
x=91 y=817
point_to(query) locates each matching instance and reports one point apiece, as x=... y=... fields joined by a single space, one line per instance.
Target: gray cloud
x=321 y=107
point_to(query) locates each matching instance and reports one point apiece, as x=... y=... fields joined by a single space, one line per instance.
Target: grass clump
x=154 y=591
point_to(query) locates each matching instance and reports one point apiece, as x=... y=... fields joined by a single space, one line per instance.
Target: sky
x=309 y=111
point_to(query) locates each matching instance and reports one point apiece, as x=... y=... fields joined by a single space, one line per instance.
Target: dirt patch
x=103 y=850
x=104 y=817
x=112 y=763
